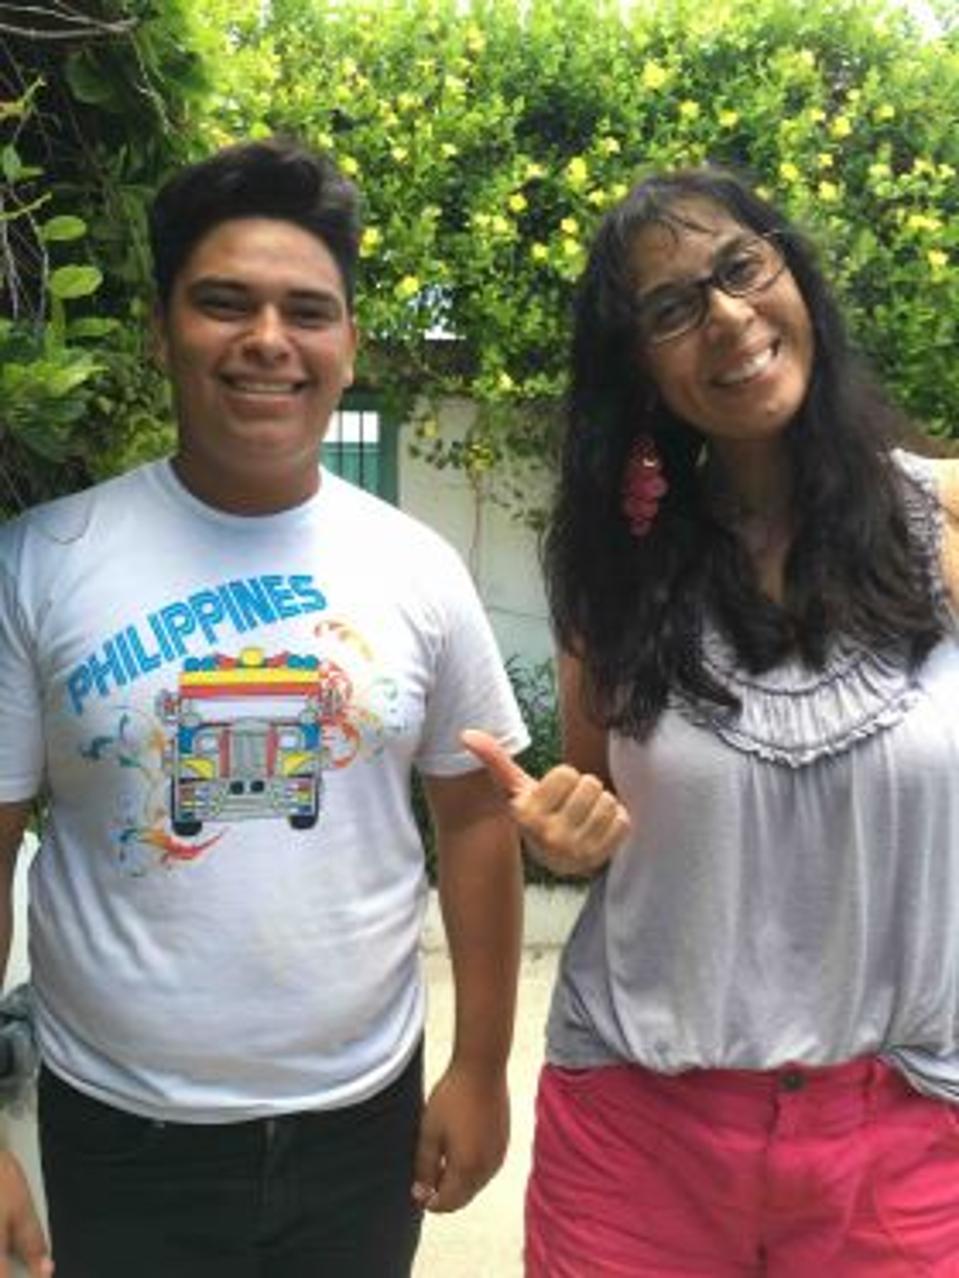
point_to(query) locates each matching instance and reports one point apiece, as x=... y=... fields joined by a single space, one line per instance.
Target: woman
x=753 y=1049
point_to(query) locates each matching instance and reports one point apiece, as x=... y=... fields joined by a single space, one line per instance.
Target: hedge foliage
x=489 y=139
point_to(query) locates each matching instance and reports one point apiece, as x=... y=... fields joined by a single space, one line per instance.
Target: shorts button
x=792 y=1080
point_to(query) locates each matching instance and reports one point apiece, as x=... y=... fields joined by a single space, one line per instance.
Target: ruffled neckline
x=793 y=715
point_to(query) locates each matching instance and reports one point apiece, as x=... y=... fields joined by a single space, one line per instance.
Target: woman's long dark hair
x=633 y=608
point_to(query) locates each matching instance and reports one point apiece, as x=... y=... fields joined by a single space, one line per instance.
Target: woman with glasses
x=753 y=1048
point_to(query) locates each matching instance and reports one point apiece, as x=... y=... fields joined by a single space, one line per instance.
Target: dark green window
x=361 y=446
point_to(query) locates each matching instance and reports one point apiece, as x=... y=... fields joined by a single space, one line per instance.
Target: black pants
x=312 y=1195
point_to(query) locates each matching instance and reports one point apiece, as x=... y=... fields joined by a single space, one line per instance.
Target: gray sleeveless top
x=790 y=890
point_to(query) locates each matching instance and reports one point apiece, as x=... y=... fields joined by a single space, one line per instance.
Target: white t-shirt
x=223 y=712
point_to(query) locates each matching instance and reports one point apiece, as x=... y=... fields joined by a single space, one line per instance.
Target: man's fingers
x=509 y=776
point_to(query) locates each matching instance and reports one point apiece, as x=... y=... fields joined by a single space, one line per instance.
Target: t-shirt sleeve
x=471 y=688
x=21 y=716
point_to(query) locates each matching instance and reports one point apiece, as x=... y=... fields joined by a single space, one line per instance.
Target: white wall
x=500 y=551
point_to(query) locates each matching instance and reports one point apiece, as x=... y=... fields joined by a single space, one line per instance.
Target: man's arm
x=13 y=824
x=21 y=1235
x=465 y=1127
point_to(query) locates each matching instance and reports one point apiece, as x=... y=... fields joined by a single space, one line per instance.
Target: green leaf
x=75 y=281
x=91 y=326
x=87 y=81
x=65 y=227
x=11 y=164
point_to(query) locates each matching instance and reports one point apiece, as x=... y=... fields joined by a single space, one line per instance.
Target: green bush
x=490 y=137
x=535 y=689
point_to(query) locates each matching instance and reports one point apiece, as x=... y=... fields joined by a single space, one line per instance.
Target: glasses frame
x=702 y=286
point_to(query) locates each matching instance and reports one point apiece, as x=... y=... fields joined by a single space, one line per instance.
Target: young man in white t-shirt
x=218 y=672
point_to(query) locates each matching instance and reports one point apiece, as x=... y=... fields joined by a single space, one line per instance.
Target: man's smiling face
x=259 y=344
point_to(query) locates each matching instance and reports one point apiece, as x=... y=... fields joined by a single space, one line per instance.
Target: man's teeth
x=748 y=368
x=264 y=388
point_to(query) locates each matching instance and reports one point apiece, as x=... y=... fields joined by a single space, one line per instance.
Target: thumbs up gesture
x=570 y=822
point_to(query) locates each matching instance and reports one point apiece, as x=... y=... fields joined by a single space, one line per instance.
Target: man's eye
x=311 y=316
x=222 y=304
x=314 y=314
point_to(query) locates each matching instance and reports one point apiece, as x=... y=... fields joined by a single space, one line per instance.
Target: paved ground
x=485 y=1239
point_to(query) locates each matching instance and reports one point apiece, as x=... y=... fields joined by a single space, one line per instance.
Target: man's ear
x=159 y=345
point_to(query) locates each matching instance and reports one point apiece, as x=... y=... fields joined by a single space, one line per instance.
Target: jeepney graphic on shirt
x=246 y=736
x=242 y=736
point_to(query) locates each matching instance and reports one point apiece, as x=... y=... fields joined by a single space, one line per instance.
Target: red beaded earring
x=643 y=486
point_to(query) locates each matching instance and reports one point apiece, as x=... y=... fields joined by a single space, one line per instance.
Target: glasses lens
x=749 y=267
x=669 y=312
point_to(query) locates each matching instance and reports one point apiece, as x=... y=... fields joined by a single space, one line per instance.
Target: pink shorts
x=841 y=1172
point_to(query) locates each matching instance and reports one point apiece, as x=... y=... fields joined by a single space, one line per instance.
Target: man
x=218 y=672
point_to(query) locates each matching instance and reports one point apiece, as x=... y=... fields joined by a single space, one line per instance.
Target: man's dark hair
x=633 y=608
x=275 y=178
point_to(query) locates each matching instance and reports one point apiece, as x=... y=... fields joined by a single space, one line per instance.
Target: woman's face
x=743 y=372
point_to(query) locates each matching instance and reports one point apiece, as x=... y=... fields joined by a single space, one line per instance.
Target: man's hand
x=21 y=1234
x=463 y=1137
x=571 y=823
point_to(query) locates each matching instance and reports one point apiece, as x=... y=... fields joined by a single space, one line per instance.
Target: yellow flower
x=817 y=115
x=504 y=382
x=576 y=171
x=517 y=202
x=825 y=160
x=533 y=171
x=654 y=76
x=370 y=242
x=806 y=58
x=920 y=166
x=688 y=109
x=400 y=154
x=500 y=225
x=448 y=150
x=829 y=192
x=886 y=111
x=571 y=247
x=407 y=101
x=788 y=171
x=597 y=196
x=455 y=87
x=937 y=259
x=923 y=222
x=879 y=170
x=539 y=252
x=408 y=287
x=569 y=226
x=618 y=190
x=946 y=171
x=349 y=165
x=475 y=39
x=428 y=429
x=389 y=118
x=609 y=146
x=841 y=127
x=728 y=119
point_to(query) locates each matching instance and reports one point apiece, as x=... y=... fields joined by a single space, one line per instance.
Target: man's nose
x=267 y=335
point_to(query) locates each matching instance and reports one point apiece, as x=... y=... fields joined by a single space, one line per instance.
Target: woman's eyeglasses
x=743 y=267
